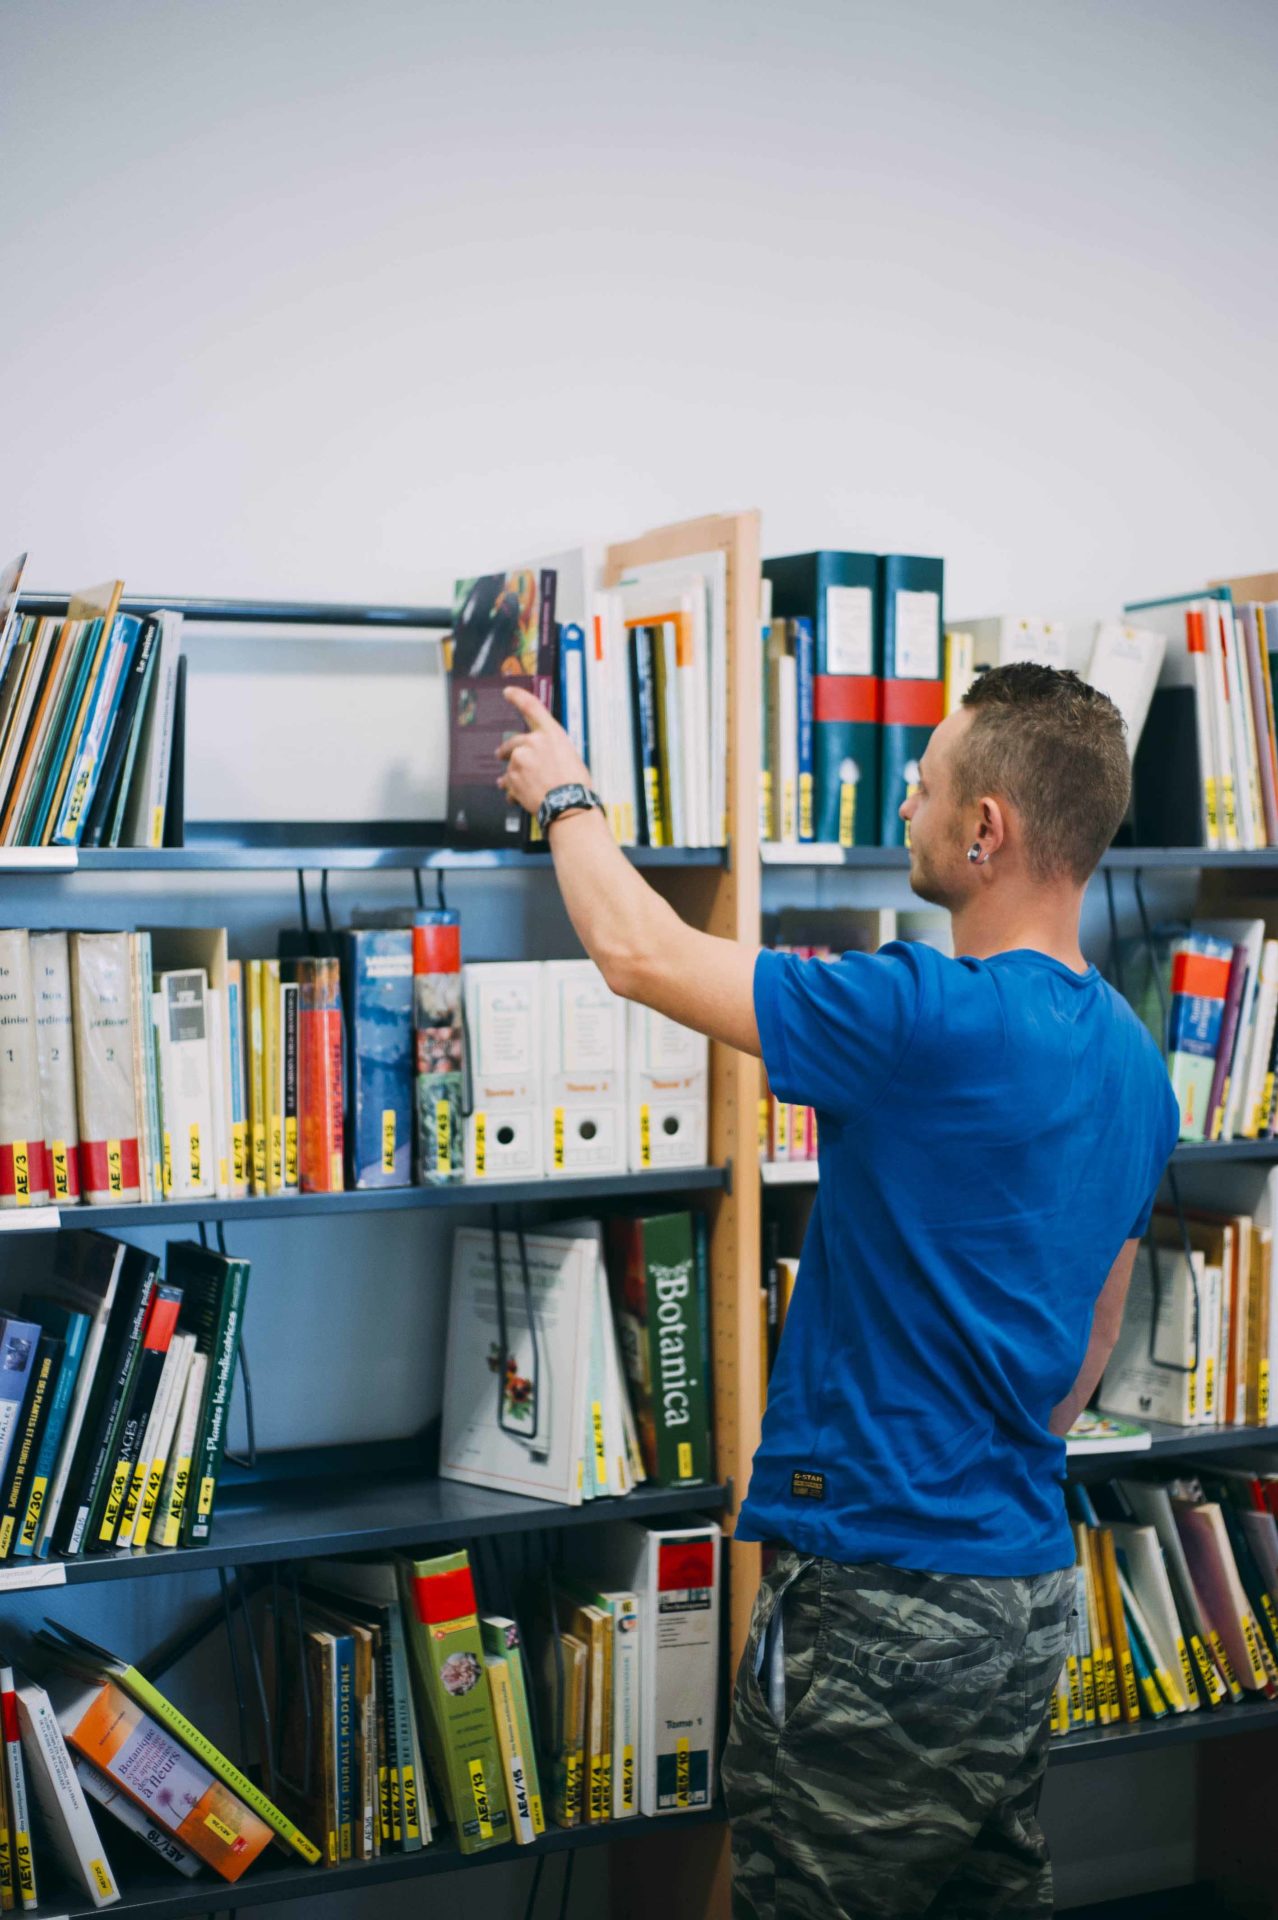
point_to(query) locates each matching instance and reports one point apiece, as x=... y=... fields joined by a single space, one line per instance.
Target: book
x=1094 y=1432
x=26 y=1440
x=837 y=593
x=503 y=636
x=287 y=1095
x=1231 y=1622
x=501 y=1000
x=186 y=1076
x=158 y=1771
x=1192 y=660
x=1001 y=640
x=319 y=1037
x=652 y=801
x=502 y=1641
x=144 y=1498
x=119 y=1512
x=377 y=1003
x=100 y=994
x=15 y=1780
x=135 y=1819
x=590 y=1625
x=517 y=1362
x=87 y=746
x=561 y=1691
x=1199 y=985
x=1125 y=664
x=667 y=1091
x=176 y=1485
x=237 y=1078
x=121 y=746
x=440 y=1142
x=256 y=1076
x=510 y=1742
x=273 y=1042
x=97 y=1447
x=913 y=698
x=455 y=1709
x=55 y=1048
x=214 y=1289
x=73 y=1328
x=781 y=740
x=68 y=1826
x=653 y=1282
x=24 y=1180
x=147 y=801
x=95 y=1666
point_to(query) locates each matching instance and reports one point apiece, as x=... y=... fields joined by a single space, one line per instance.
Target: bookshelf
x=386 y=1495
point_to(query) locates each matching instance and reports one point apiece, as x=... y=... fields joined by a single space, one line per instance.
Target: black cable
x=417 y=889
x=566 y=1889
x=301 y=901
x=441 y=898
x=1115 y=957
x=531 y=1902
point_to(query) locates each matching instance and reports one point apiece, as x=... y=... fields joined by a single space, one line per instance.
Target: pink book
x=1215 y=1575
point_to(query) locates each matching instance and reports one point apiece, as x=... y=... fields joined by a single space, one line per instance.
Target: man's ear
x=993 y=828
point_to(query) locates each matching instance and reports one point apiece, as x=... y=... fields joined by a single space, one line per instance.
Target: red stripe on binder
x=845 y=696
x=913 y=703
x=444 y=1596
x=437 y=949
x=12 y=1732
x=96 y=1157
x=1195 y=638
x=1201 y=975
x=37 y=1177
x=684 y=1564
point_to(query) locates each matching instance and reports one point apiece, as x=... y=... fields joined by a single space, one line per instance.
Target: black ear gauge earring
x=974 y=852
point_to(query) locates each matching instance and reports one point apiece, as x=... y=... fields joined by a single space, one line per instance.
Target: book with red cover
x=319 y=1037
x=1223 y=1070
x=503 y=636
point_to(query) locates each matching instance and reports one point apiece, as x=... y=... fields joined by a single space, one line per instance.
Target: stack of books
x=577 y=1359
x=115 y=1388
x=1222 y=1035
x=90 y=708
x=1176 y=1597
x=151 y=1066
x=636 y=670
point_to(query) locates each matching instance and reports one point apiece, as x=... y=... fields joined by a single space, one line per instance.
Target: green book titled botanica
x=653 y=1273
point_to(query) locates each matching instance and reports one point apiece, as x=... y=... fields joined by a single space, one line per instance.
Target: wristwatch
x=566 y=800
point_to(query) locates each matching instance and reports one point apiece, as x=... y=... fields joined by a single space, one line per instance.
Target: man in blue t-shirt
x=993 y=1130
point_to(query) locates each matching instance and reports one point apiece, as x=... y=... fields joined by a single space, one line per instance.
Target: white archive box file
x=584 y=1060
x=502 y=1000
x=668 y=1096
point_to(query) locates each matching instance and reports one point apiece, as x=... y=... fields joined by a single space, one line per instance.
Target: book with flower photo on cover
x=504 y=635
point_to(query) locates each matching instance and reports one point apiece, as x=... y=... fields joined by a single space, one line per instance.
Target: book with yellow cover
x=256 y=1078
x=273 y=1075
x=562 y=1695
x=110 y=1733
x=592 y=1626
x=514 y=1769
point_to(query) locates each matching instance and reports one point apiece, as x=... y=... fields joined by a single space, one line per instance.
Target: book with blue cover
x=377 y=1000
x=913 y=699
x=73 y=1328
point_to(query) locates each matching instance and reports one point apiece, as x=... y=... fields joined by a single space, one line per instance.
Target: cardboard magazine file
x=668 y=1093
x=584 y=1062
x=502 y=1001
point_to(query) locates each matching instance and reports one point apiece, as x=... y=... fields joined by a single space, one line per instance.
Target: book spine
x=804 y=657
x=157 y=1334
x=439 y=1046
x=176 y=1485
x=23 y=1853
x=1218 y=1096
x=647 y=745
x=206 y=1465
x=512 y=1758
x=36 y=1412
x=98 y=1453
x=377 y=993
x=257 y=1076
x=289 y=1084
x=913 y=692
x=51 y=1441
x=144 y=1474
x=97 y=1787
x=273 y=1075
x=675 y=1361
x=100 y=983
x=573 y=711
x=23 y=1159
x=320 y=1047
x=55 y=1044
x=344 y=1675
x=445 y=1632
x=238 y=1091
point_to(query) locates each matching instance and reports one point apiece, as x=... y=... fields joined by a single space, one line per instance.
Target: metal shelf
x=803 y=1173
x=1148 y=859
x=300 y=1206
x=307 y=1519
x=1102 y=1743
x=152 y=1893
x=214 y=857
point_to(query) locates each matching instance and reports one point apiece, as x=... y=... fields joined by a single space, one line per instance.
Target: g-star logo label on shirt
x=807 y=1484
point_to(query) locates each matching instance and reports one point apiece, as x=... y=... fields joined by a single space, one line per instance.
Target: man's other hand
x=540 y=759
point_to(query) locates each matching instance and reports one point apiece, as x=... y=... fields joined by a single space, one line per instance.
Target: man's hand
x=540 y=759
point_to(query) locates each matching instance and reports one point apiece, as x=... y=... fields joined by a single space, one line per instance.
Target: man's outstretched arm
x=1106 y=1321
x=642 y=948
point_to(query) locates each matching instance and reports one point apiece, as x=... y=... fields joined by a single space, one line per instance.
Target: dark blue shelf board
x=156 y=1893
x=1175 y=1443
x=311 y=1518
x=1103 y=1743
x=258 y=613
x=1220 y=1152
x=465 y=1193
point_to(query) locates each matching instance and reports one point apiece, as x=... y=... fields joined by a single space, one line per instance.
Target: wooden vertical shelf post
x=687 y=1875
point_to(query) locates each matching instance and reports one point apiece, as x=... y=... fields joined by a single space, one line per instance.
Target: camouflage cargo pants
x=888 y=1740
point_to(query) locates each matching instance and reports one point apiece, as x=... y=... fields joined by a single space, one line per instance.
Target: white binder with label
x=502 y=1001
x=584 y=1059
x=668 y=1094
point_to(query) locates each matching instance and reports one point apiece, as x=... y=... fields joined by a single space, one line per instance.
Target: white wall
x=324 y=299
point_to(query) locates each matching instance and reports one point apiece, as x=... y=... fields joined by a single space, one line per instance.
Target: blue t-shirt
x=991 y=1132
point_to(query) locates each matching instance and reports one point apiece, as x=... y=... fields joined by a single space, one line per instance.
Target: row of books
x=148 y=1066
x=1177 y=1583
x=115 y=1388
x=1222 y=1029
x=1199 y=1341
x=577 y=1358
x=787 y=1130
x=394 y=1704
x=89 y=714
x=634 y=666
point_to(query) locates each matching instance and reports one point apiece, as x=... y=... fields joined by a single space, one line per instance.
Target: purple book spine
x=1228 y=1040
